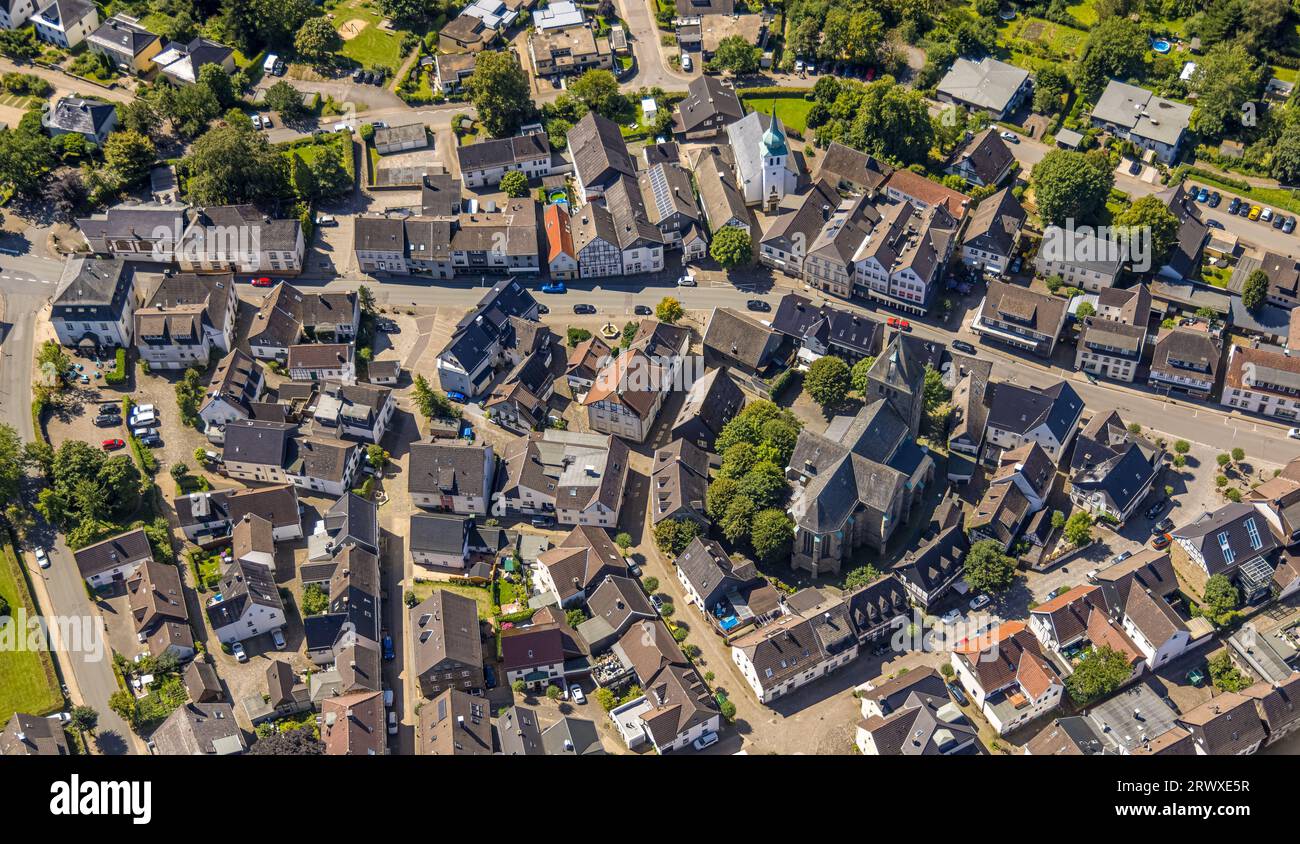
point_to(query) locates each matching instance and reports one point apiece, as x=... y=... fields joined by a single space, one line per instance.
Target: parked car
x=1215 y=199
x=687 y=280
x=392 y=723
x=1289 y=225
x=1120 y=557
x=1161 y=541
x=1266 y=215
x=389 y=653
x=1016 y=265
x=1294 y=433
x=554 y=287
x=379 y=124
x=952 y=616
x=112 y=445
x=1214 y=224
x=266 y=121
x=237 y=649
x=957 y=694
x=1009 y=137
x=108 y=420
x=457 y=396
x=1203 y=195
x=643 y=310
x=326 y=220
x=42 y=559
x=1135 y=167
x=151 y=440
x=388 y=698
x=1278 y=221
x=1234 y=206
x=277 y=636
x=143 y=418
x=979 y=602
x=1155 y=509
x=542 y=309
x=687 y=65
x=576 y=695
x=657 y=601
x=899 y=323
x=1255 y=212
x=707 y=740
x=1163 y=526
x=358 y=74
x=584 y=309
x=262 y=282
x=963 y=346
x=758 y=305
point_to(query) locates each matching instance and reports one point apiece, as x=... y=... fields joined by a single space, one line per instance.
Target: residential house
x=521 y=399
x=734 y=339
x=721 y=197
x=672 y=208
x=483 y=163
x=128 y=44
x=824 y=330
x=352 y=724
x=1150 y=122
x=180 y=64
x=236 y=384
x=440 y=540
x=1227 y=724
x=901 y=262
x=114 y=559
x=154 y=596
x=1185 y=359
x=912 y=715
x=448 y=646
x=710 y=403
x=850 y=170
x=452 y=478
x=985 y=85
x=66 y=23
x=828 y=264
x=360 y=411
x=785 y=243
x=1187 y=252
x=450 y=70
x=573 y=569
x=207 y=517
x=407 y=136
x=1048 y=417
x=930 y=571
x=627 y=393
x=614 y=605
x=678 y=483
x=1283 y=272
x=184 y=319
x=1017 y=490
x=252 y=540
x=1231 y=539
x=1141 y=594
x=578 y=478
x=455 y=724
x=709 y=108
x=202 y=683
x=585 y=362
x=15 y=13
x=569 y=50
x=983 y=160
x=676 y=707
x=465 y=34
x=33 y=735
x=1112 y=469
x=1113 y=339
x=1276 y=705
x=247 y=603
x=533 y=654
x=146 y=232
x=241 y=239
x=322 y=362
x=465 y=365
x=199 y=729
x=324 y=465
x=993 y=233
x=1007 y=677
x=287 y=316
x=561 y=256
x=600 y=156
x=94 y=303
x=91 y=119
x=1080 y=258
x=1262 y=380
x=924 y=194
x=796 y=648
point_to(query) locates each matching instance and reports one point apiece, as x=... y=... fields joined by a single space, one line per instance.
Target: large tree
x=300 y=741
x=988 y=568
x=500 y=92
x=25 y=159
x=892 y=120
x=598 y=90
x=731 y=247
x=771 y=535
x=232 y=165
x=735 y=55
x=285 y=99
x=317 y=41
x=1071 y=185
x=1150 y=214
x=1116 y=49
x=1225 y=80
x=1098 y=674
x=1254 y=293
x=129 y=155
x=828 y=380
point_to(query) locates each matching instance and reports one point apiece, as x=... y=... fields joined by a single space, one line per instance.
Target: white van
x=272 y=66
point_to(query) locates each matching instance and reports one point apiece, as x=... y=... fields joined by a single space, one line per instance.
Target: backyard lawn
x=27 y=679
x=481 y=594
x=792 y=108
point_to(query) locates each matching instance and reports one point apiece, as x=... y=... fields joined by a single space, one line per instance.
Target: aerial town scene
x=635 y=377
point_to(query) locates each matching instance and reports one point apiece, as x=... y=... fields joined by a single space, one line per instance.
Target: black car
x=584 y=309
x=1214 y=224
x=378 y=77
x=151 y=440
x=963 y=346
x=758 y=305
x=1234 y=205
x=110 y=407
x=643 y=310
x=542 y=309
x=957 y=694
x=358 y=75
x=1163 y=526
x=1155 y=509
x=1278 y=221
x=108 y=420
x=1215 y=199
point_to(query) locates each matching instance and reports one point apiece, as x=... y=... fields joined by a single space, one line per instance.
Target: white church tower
x=775 y=155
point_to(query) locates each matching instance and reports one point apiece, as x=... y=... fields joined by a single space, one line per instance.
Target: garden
x=790 y=106
x=27 y=679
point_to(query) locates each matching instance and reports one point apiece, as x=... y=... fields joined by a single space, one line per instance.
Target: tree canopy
x=1071 y=185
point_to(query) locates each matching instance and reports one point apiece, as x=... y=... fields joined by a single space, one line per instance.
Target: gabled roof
x=599 y=152
x=1228 y=536
x=840 y=163
x=739 y=337
x=987 y=83
x=199 y=729
x=445 y=629
x=582 y=559
x=995 y=223
x=1225 y=725
x=435 y=468
x=987 y=155
x=1020 y=410
x=707 y=99
x=455 y=723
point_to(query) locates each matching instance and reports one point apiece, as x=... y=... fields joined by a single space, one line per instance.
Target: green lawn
x=792 y=108
x=1286 y=74
x=372 y=47
x=309 y=151
x=1083 y=12
x=481 y=594
x=27 y=679
x=1062 y=40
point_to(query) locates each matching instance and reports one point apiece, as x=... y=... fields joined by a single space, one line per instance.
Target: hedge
x=117 y=375
x=782 y=381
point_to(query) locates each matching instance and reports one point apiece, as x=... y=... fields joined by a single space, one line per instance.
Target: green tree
x=1150 y=214
x=738 y=522
x=673 y=535
x=129 y=154
x=736 y=56
x=1070 y=185
x=988 y=568
x=731 y=247
x=598 y=90
x=630 y=328
x=1182 y=446
x=1084 y=310
x=314 y=600
x=893 y=121
x=605 y=698
x=215 y=79
x=764 y=484
x=858 y=376
x=827 y=381
x=500 y=92
x=25 y=159
x=1058 y=520
x=771 y=535
x=1051 y=85
x=1238 y=454
x=1078 y=528
x=574 y=617
x=232 y=166
x=574 y=336
x=84 y=718
x=1226 y=676
x=190 y=109
x=553 y=692
x=514 y=184
x=285 y=99
x=1254 y=293
x=861 y=576
x=1101 y=671
x=1226 y=77
x=1221 y=597
x=669 y=310
x=317 y=41
x=1116 y=49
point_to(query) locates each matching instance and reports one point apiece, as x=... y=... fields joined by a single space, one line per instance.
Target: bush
x=117 y=375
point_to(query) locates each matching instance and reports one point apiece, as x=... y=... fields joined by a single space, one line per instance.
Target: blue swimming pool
x=1161 y=46
x=729 y=622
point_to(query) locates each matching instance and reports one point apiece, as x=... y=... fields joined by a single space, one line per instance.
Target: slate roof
x=448 y=469
x=445 y=628
x=261 y=443
x=1231 y=523
x=503 y=152
x=987 y=83
x=986 y=155
x=243 y=585
x=124 y=35
x=455 y=724
x=353 y=724
x=706 y=99
x=599 y=152
x=1224 y=725
x=1020 y=410
x=32 y=735
x=581 y=560
x=199 y=729
x=112 y=552
x=995 y=223
x=739 y=337
x=87 y=117
x=844 y=163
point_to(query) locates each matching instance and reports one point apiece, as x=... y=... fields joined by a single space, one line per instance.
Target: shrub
x=117 y=375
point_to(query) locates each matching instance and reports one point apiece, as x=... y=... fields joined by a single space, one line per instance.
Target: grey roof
x=1019 y=410
x=1229 y=536
x=441 y=533
x=124 y=34
x=629 y=215
x=113 y=552
x=739 y=337
x=710 y=570
x=995 y=223
x=92 y=281
x=711 y=402
x=445 y=627
x=1178 y=348
x=720 y=197
x=448 y=469
x=844 y=163
x=679 y=481
x=199 y=729
x=400 y=134
x=707 y=99
x=354 y=519
x=243 y=585
x=1108 y=458
x=935 y=563
x=251 y=441
x=503 y=152
x=274 y=234
x=455 y=723
x=987 y=83
x=599 y=152
x=518 y=733
x=802 y=224
x=1142 y=112
x=319 y=457
x=476 y=332
x=32 y=735
x=987 y=155
x=572 y=737
x=1037 y=311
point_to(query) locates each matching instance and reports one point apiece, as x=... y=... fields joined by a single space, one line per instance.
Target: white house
x=113 y=559
x=1007 y=677
x=66 y=23
x=247 y=603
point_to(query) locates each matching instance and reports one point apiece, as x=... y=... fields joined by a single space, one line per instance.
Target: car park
x=112 y=445
x=584 y=309
x=707 y=740
x=42 y=559
x=963 y=346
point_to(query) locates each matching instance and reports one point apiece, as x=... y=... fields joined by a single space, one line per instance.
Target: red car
x=900 y=324
x=262 y=282
x=1161 y=541
x=112 y=445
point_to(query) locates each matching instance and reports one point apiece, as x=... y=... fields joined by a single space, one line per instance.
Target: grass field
x=27 y=680
x=372 y=47
x=309 y=152
x=481 y=595
x=792 y=108
x=1083 y=12
x=1062 y=40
